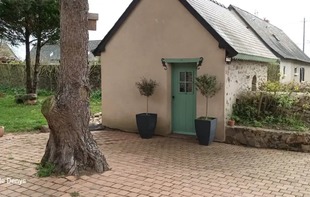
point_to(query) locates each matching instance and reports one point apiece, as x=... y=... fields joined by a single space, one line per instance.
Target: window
x=254 y=83
x=295 y=72
x=186 y=82
x=283 y=70
x=302 y=75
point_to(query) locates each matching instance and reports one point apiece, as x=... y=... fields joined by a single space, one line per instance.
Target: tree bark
x=207 y=107
x=28 y=63
x=36 y=66
x=71 y=147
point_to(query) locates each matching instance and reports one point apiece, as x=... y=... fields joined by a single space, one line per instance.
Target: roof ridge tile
x=218 y=3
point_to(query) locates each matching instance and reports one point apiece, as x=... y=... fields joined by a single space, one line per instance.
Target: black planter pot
x=205 y=130
x=146 y=124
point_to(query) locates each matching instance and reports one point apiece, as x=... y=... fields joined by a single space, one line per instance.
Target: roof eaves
x=297 y=59
x=101 y=47
x=241 y=56
x=222 y=42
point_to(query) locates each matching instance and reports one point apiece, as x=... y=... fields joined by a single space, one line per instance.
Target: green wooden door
x=183 y=98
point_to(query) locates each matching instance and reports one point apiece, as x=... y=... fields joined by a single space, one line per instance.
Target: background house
x=294 y=63
x=6 y=53
x=178 y=33
x=50 y=53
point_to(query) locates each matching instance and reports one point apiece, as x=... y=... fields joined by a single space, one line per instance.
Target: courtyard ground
x=161 y=166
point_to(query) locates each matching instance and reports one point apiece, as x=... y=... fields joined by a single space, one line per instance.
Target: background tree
x=71 y=147
x=30 y=22
x=45 y=30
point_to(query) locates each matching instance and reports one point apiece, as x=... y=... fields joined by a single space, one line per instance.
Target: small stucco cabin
x=172 y=42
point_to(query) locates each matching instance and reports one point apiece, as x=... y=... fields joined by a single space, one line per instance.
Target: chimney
x=266 y=20
x=92 y=21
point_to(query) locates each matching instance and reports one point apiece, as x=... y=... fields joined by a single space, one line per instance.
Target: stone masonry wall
x=268 y=138
x=239 y=77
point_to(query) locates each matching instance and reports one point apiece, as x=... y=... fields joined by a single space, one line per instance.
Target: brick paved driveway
x=161 y=166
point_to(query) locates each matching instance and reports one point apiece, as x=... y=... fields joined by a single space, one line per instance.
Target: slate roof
x=6 y=53
x=278 y=42
x=50 y=53
x=229 y=30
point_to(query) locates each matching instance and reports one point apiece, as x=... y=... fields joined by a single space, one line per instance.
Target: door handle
x=172 y=97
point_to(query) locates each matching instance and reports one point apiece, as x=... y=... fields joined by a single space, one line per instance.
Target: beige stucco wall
x=239 y=76
x=290 y=74
x=156 y=29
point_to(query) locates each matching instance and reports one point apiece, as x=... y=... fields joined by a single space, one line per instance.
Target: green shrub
x=278 y=111
x=285 y=87
x=273 y=72
x=146 y=88
x=12 y=91
x=96 y=95
x=45 y=170
x=208 y=86
x=43 y=92
x=75 y=194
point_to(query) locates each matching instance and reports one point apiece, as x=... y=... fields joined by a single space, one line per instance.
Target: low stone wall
x=268 y=138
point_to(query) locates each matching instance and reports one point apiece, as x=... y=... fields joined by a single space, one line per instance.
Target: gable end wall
x=239 y=76
x=154 y=30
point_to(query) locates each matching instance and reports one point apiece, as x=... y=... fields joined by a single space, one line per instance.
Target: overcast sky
x=288 y=15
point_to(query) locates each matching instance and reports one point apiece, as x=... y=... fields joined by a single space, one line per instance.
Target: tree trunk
x=71 y=147
x=207 y=106
x=36 y=66
x=28 y=63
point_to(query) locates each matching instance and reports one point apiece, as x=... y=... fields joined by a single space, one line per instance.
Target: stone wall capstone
x=268 y=138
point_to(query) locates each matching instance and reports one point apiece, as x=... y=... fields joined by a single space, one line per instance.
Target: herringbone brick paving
x=161 y=166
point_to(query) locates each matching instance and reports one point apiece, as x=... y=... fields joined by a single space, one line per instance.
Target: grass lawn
x=18 y=117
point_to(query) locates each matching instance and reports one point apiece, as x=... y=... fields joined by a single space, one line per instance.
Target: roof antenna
x=304 y=35
x=255 y=12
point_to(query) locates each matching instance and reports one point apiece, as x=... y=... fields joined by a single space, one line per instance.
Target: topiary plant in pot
x=206 y=126
x=146 y=122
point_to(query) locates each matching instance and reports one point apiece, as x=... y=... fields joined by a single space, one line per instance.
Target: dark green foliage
x=39 y=17
x=45 y=170
x=96 y=95
x=146 y=87
x=285 y=87
x=20 y=21
x=75 y=194
x=43 y=92
x=11 y=91
x=263 y=109
x=21 y=118
x=95 y=76
x=207 y=85
x=273 y=72
x=12 y=77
